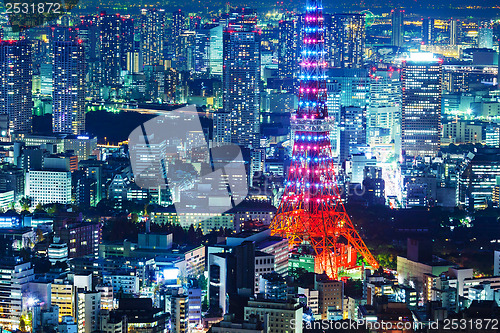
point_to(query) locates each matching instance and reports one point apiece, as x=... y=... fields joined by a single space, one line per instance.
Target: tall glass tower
x=346 y=36
x=397 y=22
x=421 y=114
x=110 y=48
x=15 y=84
x=68 y=95
x=241 y=82
x=287 y=49
x=152 y=36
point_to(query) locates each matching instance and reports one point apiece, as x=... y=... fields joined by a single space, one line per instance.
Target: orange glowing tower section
x=311 y=211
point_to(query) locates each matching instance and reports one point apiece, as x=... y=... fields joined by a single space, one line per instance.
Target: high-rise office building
x=241 y=82
x=334 y=91
x=421 y=113
x=184 y=51
x=201 y=53
x=354 y=85
x=477 y=181
x=177 y=28
x=397 y=22
x=16 y=70
x=287 y=49
x=222 y=128
x=152 y=36
x=126 y=40
x=62 y=295
x=346 y=40
x=498 y=71
x=194 y=22
x=208 y=46
x=179 y=313
x=228 y=273
x=428 y=32
x=155 y=82
x=384 y=108
x=134 y=62
x=110 y=48
x=454 y=28
x=346 y=88
x=68 y=95
x=216 y=50
x=178 y=23
x=88 y=32
x=331 y=296
x=485 y=37
x=352 y=131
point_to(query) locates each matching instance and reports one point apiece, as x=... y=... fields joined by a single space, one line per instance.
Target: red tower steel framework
x=311 y=211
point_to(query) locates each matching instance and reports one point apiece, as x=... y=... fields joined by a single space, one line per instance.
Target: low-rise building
x=278 y=316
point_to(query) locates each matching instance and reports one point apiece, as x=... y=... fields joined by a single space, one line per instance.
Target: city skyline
x=267 y=167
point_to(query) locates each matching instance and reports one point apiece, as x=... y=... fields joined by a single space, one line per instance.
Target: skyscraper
x=498 y=71
x=15 y=84
x=216 y=51
x=346 y=40
x=454 y=28
x=178 y=23
x=152 y=36
x=287 y=49
x=68 y=95
x=354 y=85
x=428 y=33
x=384 y=109
x=222 y=128
x=208 y=49
x=421 y=114
x=126 y=40
x=485 y=37
x=202 y=49
x=347 y=88
x=110 y=48
x=184 y=51
x=352 y=131
x=241 y=82
x=89 y=34
x=178 y=27
x=397 y=22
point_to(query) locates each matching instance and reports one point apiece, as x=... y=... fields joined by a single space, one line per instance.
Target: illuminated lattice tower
x=311 y=211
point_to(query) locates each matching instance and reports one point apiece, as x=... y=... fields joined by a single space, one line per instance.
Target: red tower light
x=311 y=210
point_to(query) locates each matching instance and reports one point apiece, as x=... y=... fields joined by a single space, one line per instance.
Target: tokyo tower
x=311 y=212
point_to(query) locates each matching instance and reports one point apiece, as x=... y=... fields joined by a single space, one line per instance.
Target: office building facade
x=152 y=36
x=346 y=40
x=47 y=187
x=16 y=84
x=68 y=95
x=241 y=83
x=397 y=22
x=421 y=113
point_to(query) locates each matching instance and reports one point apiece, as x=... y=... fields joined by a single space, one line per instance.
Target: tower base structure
x=335 y=242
